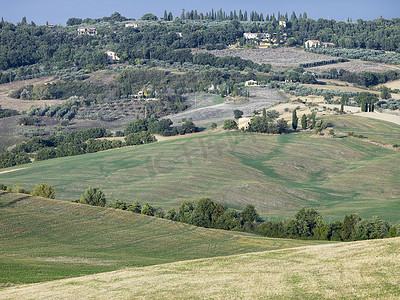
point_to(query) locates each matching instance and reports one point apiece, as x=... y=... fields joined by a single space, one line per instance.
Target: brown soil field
x=23 y=105
x=355 y=66
x=278 y=58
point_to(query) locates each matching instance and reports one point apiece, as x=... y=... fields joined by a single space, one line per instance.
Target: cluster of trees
x=74 y=143
x=41 y=190
x=366 y=101
x=9 y=159
x=323 y=63
x=171 y=87
x=5 y=113
x=159 y=126
x=299 y=75
x=380 y=56
x=309 y=224
x=268 y=122
x=203 y=213
x=364 y=78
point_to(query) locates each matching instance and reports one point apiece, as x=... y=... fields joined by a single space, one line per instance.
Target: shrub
x=229 y=124
x=93 y=196
x=44 y=190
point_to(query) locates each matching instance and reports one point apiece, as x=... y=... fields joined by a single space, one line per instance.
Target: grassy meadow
x=279 y=174
x=362 y=270
x=374 y=130
x=43 y=239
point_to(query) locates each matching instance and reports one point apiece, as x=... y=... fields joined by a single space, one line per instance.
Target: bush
x=93 y=196
x=229 y=125
x=28 y=121
x=44 y=190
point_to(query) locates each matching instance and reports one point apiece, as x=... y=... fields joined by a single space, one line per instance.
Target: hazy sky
x=58 y=12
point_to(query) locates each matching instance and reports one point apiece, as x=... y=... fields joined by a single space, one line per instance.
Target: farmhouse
x=250 y=35
x=244 y=122
x=251 y=83
x=282 y=23
x=134 y=25
x=142 y=94
x=112 y=55
x=326 y=45
x=312 y=43
x=87 y=30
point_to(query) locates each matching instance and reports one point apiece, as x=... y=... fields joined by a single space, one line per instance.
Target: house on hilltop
x=312 y=44
x=251 y=83
x=250 y=35
x=87 y=30
x=134 y=25
x=244 y=123
x=316 y=43
x=112 y=55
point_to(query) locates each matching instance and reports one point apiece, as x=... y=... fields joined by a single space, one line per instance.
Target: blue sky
x=58 y=12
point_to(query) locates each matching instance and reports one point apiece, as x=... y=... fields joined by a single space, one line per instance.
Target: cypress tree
x=304 y=121
x=313 y=120
x=295 y=120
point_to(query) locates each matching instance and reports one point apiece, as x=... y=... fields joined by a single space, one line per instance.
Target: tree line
x=307 y=223
x=139 y=131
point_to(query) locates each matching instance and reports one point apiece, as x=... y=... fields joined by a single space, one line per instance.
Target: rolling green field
x=43 y=239
x=375 y=130
x=278 y=174
x=362 y=270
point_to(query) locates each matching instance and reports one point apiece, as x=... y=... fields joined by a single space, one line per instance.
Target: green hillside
x=277 y=173
x=375 y=130
x=44 y=239
x=362 y=270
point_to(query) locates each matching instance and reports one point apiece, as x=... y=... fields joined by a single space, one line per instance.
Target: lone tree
x=93 y=196
x=44 y=190
x=304 y=121
x=295 y=120
x=237 y=113
x=385 y=92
